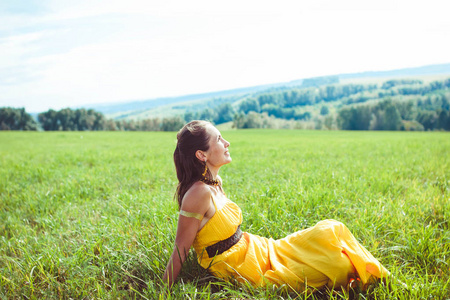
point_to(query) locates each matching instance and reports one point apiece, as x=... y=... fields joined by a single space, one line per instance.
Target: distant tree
x=445 y=102
x=330 y=122
x=391 y=83
x=68 y=119
x=266 y=99
x=208 y=114
x=172 y=124
x=249 y=105
x=344 y=119
x=132 y=125
x=48 y=120
x=362 y=118
x=238 y=120
x=443 y=121
x=307 y=97
x=407 y=110
x=331 y=93
x=289 y=113
x=224 y=113
x=392 y=118
x=150 y=124
x=412 y=126
x=273 y=110
x=119 y=125
x=383 y=116
x=324 y=110
x=355 y=118
x=303 y=116
x=376 y=121
x=428 y=119
x=99 y=120
x=446 y=125
x=189 y=116
x=111 y=125
x=252 y=120
x=16 y=119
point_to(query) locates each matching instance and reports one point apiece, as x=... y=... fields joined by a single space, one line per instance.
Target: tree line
x=432 y=113
x=80 y=120
x=389 y=115
x=16 y=119
x=399 y=104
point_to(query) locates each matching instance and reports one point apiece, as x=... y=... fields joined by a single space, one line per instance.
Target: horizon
x=59 y=55
x=90 y=105
x=125 y=101
x=130 y=101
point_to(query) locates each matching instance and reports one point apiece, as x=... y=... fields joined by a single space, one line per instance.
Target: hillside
x=391 y=100
x=172 y=106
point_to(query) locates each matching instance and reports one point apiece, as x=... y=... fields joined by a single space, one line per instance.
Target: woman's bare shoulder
x=197 y=198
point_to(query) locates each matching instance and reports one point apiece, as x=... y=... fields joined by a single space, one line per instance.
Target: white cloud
x=97 y=51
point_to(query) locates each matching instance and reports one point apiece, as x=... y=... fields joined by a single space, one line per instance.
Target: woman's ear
x=200 y=155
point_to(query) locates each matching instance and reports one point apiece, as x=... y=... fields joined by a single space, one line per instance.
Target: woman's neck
x=214 y=173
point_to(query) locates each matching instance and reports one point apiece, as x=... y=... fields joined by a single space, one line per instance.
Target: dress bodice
x=222 y=225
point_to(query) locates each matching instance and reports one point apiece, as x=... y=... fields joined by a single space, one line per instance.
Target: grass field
x=89 y=215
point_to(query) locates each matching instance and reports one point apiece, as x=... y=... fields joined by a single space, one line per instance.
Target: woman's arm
x=186 y=232
x=196 y=200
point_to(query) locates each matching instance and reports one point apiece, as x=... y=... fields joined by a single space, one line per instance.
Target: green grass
x=91 y=214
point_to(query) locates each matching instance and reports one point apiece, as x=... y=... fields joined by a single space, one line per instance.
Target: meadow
x=91 y=215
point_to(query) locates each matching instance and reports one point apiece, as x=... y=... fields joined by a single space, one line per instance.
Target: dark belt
x=224 y=245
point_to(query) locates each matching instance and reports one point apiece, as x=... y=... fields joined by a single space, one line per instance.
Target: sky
x=60 y=53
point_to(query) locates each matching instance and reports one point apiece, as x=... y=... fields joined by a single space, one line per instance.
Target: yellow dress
x=326 y=254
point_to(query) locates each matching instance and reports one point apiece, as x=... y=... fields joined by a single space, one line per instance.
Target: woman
x=324 y=255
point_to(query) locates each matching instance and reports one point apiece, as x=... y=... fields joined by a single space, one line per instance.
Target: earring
x=206 y=170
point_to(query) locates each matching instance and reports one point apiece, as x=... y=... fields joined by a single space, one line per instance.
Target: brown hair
x=190 y=138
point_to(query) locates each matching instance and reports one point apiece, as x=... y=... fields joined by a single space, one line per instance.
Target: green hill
x=173 y=106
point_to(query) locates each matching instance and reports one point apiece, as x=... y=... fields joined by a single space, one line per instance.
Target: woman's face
x=217 y=154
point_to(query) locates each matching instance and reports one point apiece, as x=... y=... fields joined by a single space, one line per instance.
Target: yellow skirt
x=324 y=255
